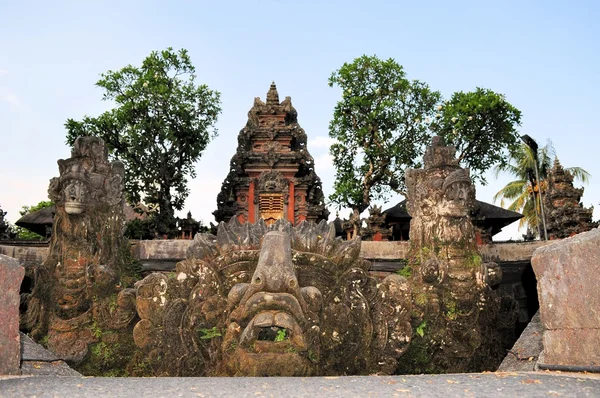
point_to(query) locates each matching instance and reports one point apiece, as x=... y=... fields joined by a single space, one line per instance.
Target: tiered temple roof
x=272 y=174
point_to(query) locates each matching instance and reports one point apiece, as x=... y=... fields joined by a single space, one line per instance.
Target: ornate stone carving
x=566 y=216
x=272 y=142
x=376 y=229
x=88 y=258
x=272 y=182
x=259 y=300
x=454 y=304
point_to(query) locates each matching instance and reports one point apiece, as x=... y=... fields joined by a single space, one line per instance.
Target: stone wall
x=390 y=250
x=567 y=273
x=27 y=255
x=11 y=275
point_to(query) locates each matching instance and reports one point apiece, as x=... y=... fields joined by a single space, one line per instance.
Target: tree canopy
x=380 y=127
x=161 y=123
x=523 y=192
x=384 y=121
x=482 y=126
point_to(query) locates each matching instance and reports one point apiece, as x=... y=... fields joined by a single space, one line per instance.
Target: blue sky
x=542 y=55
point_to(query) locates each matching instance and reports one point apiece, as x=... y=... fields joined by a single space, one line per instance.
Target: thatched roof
x=38 y=221
x=485 y=215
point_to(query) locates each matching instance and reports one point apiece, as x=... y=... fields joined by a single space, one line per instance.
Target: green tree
x=6 y=229
x=160 y=125
x=384 y=121
x=380 y=127
x=482 y=126
x=521 y=191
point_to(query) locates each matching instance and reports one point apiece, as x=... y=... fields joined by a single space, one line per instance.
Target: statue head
x=87 y=179
x=273 y=322
x=458 y=196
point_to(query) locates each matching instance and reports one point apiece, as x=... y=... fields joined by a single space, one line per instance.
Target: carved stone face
x=278 y=301
x=456 y=199
x=273 y=322
x=74 y=197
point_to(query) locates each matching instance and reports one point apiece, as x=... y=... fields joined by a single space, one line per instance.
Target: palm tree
x=524 y=191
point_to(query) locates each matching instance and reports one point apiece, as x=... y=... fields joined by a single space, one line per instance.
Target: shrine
x=272 y=174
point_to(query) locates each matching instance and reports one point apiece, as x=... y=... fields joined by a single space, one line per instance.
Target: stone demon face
x=74 y=197
x=458 y=195
x=273 y=301
x=273 y=323
x=87 y=180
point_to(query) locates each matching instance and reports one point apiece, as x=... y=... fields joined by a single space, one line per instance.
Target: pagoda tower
x=565 y=214
x=272 y=174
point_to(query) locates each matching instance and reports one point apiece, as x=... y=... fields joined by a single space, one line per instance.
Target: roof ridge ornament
x=273 y=95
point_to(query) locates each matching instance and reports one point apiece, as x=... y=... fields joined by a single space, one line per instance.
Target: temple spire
x=272 y=95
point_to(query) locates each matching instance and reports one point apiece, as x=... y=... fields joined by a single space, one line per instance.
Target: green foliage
x=161 y=123
x=451 y=310
x=96 y=331
x=420 y=331
x=379 y=125
x=207 y=334
x=521 y=165
x=281 y=335
x=482 y=126
x=384 y=121
x=6 y=229
x=140 y=229
x=406 y=271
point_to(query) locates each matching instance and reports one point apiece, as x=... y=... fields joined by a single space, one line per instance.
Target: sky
x=544 y=56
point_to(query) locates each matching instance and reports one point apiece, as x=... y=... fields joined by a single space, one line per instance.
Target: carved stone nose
x=275 y=270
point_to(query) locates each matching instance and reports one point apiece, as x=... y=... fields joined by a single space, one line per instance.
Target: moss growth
x=110 y=355
x=406 y=271
x=451 y=313
x=420 y=330
x=421 y=299
x=207 y=334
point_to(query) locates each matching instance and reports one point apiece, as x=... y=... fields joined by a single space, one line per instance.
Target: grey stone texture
x=11 y=275
x=525 y=354
x=567 y=273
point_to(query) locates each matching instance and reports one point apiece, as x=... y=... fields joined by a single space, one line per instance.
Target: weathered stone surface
x=38 y=361
x=79 y=290
x=272 y=174
x=567 y=274
x=43 y=368
x=384 y=250
x=160 y=249
x=524 y=355
x=456 y=313
x=565 y=214
x=11 y=275
x=26 y=255
x=272 y=300
x=32 y=351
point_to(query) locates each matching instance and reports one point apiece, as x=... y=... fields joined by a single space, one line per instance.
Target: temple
x=272 y=174
x=566 y=215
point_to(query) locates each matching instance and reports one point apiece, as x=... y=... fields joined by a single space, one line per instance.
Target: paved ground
x=463 y=385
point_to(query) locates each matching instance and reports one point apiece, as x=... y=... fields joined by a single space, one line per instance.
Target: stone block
x=572 y=347
x=11 y=275
x=567 y=273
